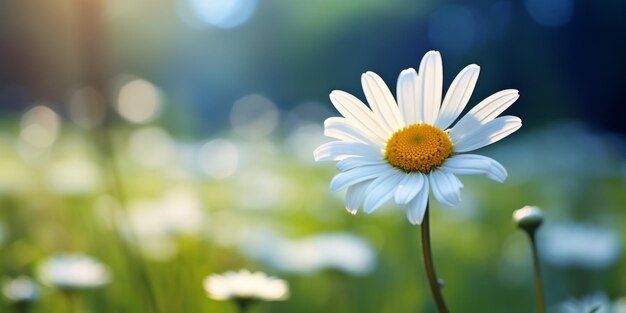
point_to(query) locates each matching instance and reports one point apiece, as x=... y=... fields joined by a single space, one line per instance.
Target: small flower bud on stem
x=529 y=218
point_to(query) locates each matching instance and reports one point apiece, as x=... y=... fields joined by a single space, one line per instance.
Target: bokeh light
x=151 y=147
x=40 y=127
x=139 y=101
x=551 y=13
x=218 y=158
x=254 y=117
x=222 y=13
x=86 y=107
x=73 y=176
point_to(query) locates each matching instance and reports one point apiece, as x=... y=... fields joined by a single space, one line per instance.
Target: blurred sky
x=565 y=56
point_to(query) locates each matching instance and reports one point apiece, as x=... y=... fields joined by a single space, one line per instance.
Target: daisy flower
x=244 y=285
x=21 y=290
x=73 y=272
x=403 y=150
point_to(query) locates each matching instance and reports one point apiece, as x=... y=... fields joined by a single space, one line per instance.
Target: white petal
x=410 y=185
x=381 y=100
x=355 y=196
x=358 y=174
x=417 y=207
x=381 y=190
x=473 y=164
x=430 y=87
x=488 y=133
x=354 y=162
x=446 y=187
x=338 y=150
x=484 y=112
x=343 y=129
x=358 y=113
x=406 y=91
x=457 y=96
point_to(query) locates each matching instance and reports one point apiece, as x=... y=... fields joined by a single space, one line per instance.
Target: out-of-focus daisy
x=597 y=303
x=245 y=286
x=338 y=251
x=73 y=271
x=402 y=150
x=620 y=305
x=21 y=290
x=580 y=245
x=157 y=222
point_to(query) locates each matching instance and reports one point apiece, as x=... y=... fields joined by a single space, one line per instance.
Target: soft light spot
x=303 y=140
x=221 y=13
x=139 y=101
x=72 y=177
x=219 y=158
x=254 y=117
x=151 y=147
x=86 y=107
x=40 y=127
x=551 y=13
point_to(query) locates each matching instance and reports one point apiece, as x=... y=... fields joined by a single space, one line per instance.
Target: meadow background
x=184 y=130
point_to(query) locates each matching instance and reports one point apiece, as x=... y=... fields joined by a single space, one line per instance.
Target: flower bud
x=528 y=217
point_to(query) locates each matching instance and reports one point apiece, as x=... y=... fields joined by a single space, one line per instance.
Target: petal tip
x=352 y=211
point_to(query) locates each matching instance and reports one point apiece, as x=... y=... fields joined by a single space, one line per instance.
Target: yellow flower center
x=418 y=148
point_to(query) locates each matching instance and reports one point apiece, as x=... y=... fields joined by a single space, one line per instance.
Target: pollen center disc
x=418 y=148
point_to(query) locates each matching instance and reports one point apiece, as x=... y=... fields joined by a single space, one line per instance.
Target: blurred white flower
x=340 y=251
x=560 y=156
x=245 y=285
x=579 y=245
x=21 y=289
x=597 y=300
x=73 y=271
x=178 y=213
x=620 y=305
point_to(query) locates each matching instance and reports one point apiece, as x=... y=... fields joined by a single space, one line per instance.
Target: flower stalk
x=529 y=218
x=243 y=304
x=71 y=301
x=433 y=281
x=538 y=279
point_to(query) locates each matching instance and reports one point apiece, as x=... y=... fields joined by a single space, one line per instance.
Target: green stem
x=538 y=280
x=21 y=307
x=92 y=36
x=71 y=301
x=243 y=305
x=433 y=282
x=134 y=258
